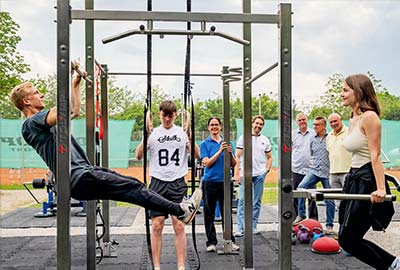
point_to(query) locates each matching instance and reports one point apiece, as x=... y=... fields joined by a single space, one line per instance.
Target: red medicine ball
x=326 y=245
x=309 y=223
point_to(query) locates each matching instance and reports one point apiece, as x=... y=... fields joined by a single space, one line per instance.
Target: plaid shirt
x=319 y=162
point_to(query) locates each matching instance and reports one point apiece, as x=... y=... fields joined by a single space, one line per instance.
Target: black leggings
x=351 y=240
x=104 y=184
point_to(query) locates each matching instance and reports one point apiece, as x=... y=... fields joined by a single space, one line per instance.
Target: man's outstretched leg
x=104 y=184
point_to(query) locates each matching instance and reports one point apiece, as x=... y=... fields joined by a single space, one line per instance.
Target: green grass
x=12 y=187
x=270 y=195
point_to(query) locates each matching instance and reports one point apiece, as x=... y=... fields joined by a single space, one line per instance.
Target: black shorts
x=173 y=191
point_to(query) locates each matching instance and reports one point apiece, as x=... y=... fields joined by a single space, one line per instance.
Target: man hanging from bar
x=88 y=182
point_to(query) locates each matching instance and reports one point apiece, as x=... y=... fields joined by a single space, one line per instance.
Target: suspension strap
x=187 y=95
x=99 y=117
x=146 y=119
x=99 y=131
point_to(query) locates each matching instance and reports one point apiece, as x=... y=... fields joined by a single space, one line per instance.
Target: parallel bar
x=90 y=139
x=358 y=197
x=285 y=182
x=173 y=32
x=247 y=149
x=63 y=169
x=320 y=196
x=118 y=15
x=262 y=73
x=164 y=74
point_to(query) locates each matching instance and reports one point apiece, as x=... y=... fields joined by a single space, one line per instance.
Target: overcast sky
x=328 y=37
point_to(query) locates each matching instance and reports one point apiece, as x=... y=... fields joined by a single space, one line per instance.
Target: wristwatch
x=268 y=170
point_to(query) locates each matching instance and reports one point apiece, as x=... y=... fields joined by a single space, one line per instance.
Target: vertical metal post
x=90 y=137
x=285 y=140
x=104 y=156
x=227 y=167
x=247 y=149
x=63 y=169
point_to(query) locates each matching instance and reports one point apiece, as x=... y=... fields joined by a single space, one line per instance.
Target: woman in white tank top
x=366 y=176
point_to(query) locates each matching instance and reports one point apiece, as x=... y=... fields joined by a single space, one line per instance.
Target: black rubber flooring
x=24 y=218
x=124 y=217
x=39 y=252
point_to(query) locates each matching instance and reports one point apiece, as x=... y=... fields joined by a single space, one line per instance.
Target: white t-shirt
x=168 y=153
x=261 y=146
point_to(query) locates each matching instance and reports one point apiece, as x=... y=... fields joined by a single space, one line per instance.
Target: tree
x=269 y=106
x=11 y=64
x=123 y=104
x=331 y=100
x=389 y=104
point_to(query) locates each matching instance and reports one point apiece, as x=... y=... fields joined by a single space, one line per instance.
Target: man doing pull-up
x=88 y=182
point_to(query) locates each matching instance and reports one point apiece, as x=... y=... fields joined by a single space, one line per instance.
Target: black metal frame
x=283 y=19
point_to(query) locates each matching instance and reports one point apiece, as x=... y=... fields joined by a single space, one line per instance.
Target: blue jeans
x=308 y=181
x=258 y=189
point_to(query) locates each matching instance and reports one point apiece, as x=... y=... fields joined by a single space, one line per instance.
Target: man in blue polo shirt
x=212 y=155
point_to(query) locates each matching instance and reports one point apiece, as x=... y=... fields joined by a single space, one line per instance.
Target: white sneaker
x=190 y=206
x=211 y=248
x=329 y=230
x=395 y=264
x=235 y=247
x=239 y=234
x=255 y=231
x=298 y=220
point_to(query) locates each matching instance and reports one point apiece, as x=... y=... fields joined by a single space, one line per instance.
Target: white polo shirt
x=261 y=146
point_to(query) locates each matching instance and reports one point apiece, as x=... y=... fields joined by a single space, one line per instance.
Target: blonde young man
x=169 y=147
x=88 y=182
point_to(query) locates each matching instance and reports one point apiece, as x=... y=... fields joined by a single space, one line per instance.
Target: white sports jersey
x=168 y=153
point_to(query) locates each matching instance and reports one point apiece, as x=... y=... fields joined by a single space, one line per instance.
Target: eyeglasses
x=213 y=125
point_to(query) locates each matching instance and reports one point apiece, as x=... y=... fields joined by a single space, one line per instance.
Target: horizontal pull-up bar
x=164 y=74
x=143 y=31
x=262 y=73
x=122 y=15
x=326 y=195
x=359 y=197
x=80 y=72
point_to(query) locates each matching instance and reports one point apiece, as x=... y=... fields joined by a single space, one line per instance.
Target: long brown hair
x=364 y=92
